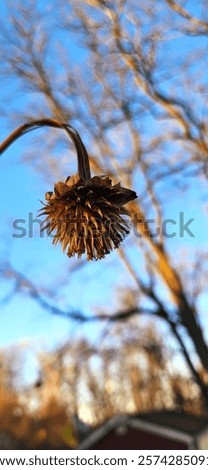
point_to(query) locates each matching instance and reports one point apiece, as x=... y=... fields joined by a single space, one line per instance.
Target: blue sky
x=88 y=288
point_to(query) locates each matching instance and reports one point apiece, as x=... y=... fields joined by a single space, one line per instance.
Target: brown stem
x=82 y=155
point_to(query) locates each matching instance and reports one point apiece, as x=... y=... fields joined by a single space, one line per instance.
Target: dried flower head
x=87 y=215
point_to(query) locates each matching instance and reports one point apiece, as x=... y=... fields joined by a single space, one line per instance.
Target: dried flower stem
x=82 y=155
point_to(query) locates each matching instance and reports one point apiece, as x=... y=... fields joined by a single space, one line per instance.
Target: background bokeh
x=127 y=333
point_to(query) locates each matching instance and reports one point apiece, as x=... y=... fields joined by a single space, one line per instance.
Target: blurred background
x=84 y=341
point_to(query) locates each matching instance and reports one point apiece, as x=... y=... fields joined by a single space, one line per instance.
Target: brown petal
x=60 y=189
x=100 y=181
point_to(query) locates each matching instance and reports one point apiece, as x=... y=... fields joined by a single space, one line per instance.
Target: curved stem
x=82 y=155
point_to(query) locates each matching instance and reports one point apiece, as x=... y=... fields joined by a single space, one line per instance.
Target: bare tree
x=97 y=382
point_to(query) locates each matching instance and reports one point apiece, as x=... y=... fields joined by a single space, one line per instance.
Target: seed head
x=87 y=215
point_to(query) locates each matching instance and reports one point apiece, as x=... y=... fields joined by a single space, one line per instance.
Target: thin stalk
x=82 y=155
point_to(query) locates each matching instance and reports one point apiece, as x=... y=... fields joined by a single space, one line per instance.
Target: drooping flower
x=87 y=215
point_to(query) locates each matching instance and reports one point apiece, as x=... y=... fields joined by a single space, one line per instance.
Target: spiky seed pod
x=87 y=215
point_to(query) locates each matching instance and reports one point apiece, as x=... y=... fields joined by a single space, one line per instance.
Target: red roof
x=154 y=430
